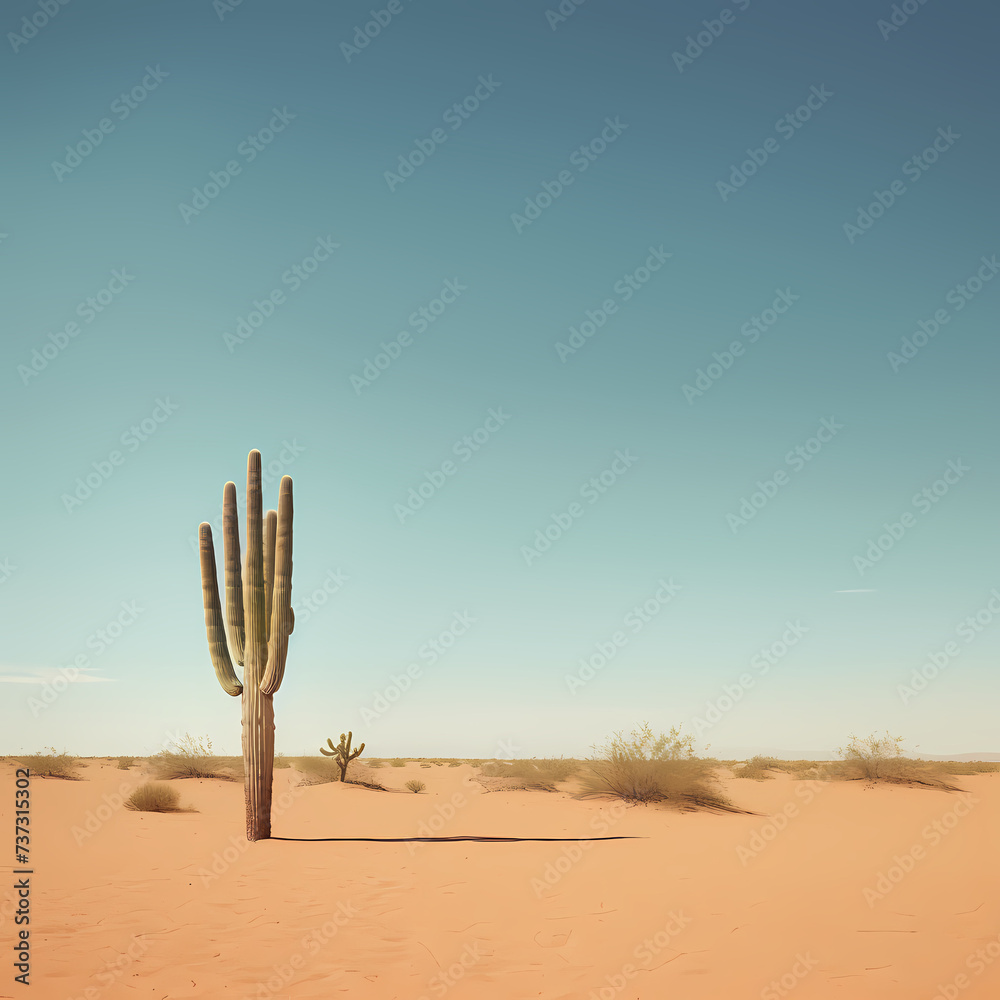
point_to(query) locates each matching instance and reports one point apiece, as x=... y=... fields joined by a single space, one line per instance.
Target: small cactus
x=342 y=753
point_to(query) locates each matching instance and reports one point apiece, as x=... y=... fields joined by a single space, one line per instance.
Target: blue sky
x=502 y=259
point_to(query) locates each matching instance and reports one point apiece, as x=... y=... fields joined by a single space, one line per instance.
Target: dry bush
x=648 y=768
x=415 y=786
x=376 y=762
x=540 y=774
x=397 y=762
x=880 y=758
x=280 y=760
x=454 y=763
x=124 y=763
x=969 y=766
x=51 y=765
x=757 y=767
x=155 y=797
x=192 y=757
x=323 y=770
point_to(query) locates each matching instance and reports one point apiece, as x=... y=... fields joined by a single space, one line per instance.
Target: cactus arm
x=214 y=624
x=281 y=602
x=253 y=576
x=270 y=526
x=234 y=583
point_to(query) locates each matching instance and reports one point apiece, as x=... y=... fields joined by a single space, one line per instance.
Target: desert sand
x=699 y=906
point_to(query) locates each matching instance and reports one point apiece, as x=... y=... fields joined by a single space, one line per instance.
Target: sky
x=629 y=363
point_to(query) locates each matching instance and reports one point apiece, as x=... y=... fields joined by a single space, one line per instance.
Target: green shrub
x=155 y=797
x=415 y=786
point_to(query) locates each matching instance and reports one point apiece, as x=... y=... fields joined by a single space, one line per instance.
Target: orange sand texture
x=702 y=905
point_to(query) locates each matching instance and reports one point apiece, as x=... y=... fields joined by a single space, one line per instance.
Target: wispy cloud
x=46 y=675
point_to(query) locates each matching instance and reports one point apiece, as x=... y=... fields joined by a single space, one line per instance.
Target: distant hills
x=745 y=753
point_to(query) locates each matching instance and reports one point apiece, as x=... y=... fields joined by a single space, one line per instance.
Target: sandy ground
x=834 y=891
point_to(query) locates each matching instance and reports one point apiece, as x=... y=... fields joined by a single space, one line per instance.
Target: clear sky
x=472 y=275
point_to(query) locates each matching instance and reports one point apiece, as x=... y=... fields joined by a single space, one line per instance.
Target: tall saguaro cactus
x=259 y=620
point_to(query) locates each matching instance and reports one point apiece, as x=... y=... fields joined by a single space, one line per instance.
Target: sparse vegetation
x=646 y=768
x=51 y=765
x=415 y=786
x=155 y=797
x=193 y=757
x=757 y=768
x=124 y=763
x=396 y=762
x=280 y=760
x=969 y=766
x=880 y=758
x=342 y=753
x=540 y=774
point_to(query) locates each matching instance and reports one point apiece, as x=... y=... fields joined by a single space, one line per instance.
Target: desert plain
x=820 y=889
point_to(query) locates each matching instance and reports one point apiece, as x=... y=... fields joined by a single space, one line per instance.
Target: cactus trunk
x=260 y=619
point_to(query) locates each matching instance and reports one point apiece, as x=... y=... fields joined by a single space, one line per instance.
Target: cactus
x=259 y=620
x=342 y=753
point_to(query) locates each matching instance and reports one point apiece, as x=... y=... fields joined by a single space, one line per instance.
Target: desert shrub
x=646 y=768
x=415 y=786
x=51 y=764
x=880 y=758
x=454 y=763
x=376 y=763
x=969 y=766
x=540 y=774
x=124 y=763
x=191 y=757
x=154 y=797
x=280 y=760
x=398 y=763
x=425 y=765
x=757 y=768
x=317 y=770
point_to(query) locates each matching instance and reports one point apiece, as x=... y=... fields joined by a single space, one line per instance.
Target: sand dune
x=698 y=906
